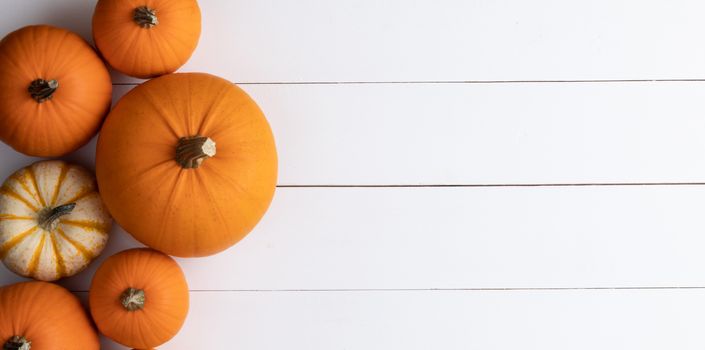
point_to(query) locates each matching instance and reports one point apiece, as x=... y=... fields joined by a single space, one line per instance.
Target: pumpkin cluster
x=185 y=162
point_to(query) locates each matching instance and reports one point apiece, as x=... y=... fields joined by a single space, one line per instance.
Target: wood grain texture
x=390 y=134
x=426 y=238
x=430 y=134
x=444 y=320
x=427 y=40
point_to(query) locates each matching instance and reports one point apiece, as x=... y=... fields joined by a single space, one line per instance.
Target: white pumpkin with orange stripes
x=52 y=220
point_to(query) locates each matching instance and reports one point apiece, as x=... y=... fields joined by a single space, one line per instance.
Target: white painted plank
x=427 y=40
x=390 y=134
x=391 y=238
x=487 y=133
x=545 y=320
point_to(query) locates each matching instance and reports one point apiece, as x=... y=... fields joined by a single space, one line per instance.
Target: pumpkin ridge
x=9 y=244
x=166 y=44
x=74 y=105
x=34 y=262
x=17 y=67
x=165 y=216
x=163 y=102
x=20 y=179
x=162 y=55
x=87 y=224
x=59 y=42
x=8 y=217
x=10 y=193
x=33 y=180
x=223 y=221
x=227 y=125
x=74 y=61
x=74 y=112
x=25 y=48
x=11 y=130
x=140 y=176
x=81 y=249
x=59 y=183
x=83 y=194
x=60 y=265
x=153 y=102
x=132 y=47
x=189 y=120
x=122 y=47
x=230 y=181
x=172 y=41
x=208 y=114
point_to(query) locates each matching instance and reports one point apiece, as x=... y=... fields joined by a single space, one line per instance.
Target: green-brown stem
x=17 y=342
x=192 y=151
x=42 y=90
x=145 y=17
x=47 y=217
x=132 y=299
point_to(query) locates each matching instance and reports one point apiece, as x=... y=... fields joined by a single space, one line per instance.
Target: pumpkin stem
x=132 y=299
x=17 y=342
x=42 y=90
x=48 y=216
x=191 y=151
x=145 y=17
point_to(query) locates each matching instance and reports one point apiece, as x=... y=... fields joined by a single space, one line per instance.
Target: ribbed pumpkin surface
x=72 y=114
x=48 y=316
x=186 y=211
x=72 y=240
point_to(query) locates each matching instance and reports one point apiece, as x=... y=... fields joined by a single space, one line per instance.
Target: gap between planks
x=454 y=82
x=490 y=289
x=588 y=184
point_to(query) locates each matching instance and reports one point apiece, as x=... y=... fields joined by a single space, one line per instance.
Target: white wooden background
x=485 y=174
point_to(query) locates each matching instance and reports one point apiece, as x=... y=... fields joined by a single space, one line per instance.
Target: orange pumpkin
x=139 y=298
x=146 y=38
x=186 y=163
x=43 y=316
x=54 y=91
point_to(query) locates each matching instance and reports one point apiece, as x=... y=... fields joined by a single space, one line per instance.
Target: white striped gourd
x=52 y=220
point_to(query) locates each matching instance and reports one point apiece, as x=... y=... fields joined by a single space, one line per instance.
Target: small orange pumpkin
x=43 y=316
x=186 y=163
x=146 y=38
x=54 y=91
x=139 y=298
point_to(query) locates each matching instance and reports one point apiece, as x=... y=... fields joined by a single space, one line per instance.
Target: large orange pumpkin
x=146 y=38
x=186 y=163
x=43 y=316
x=54 y=91
x=139 y=298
